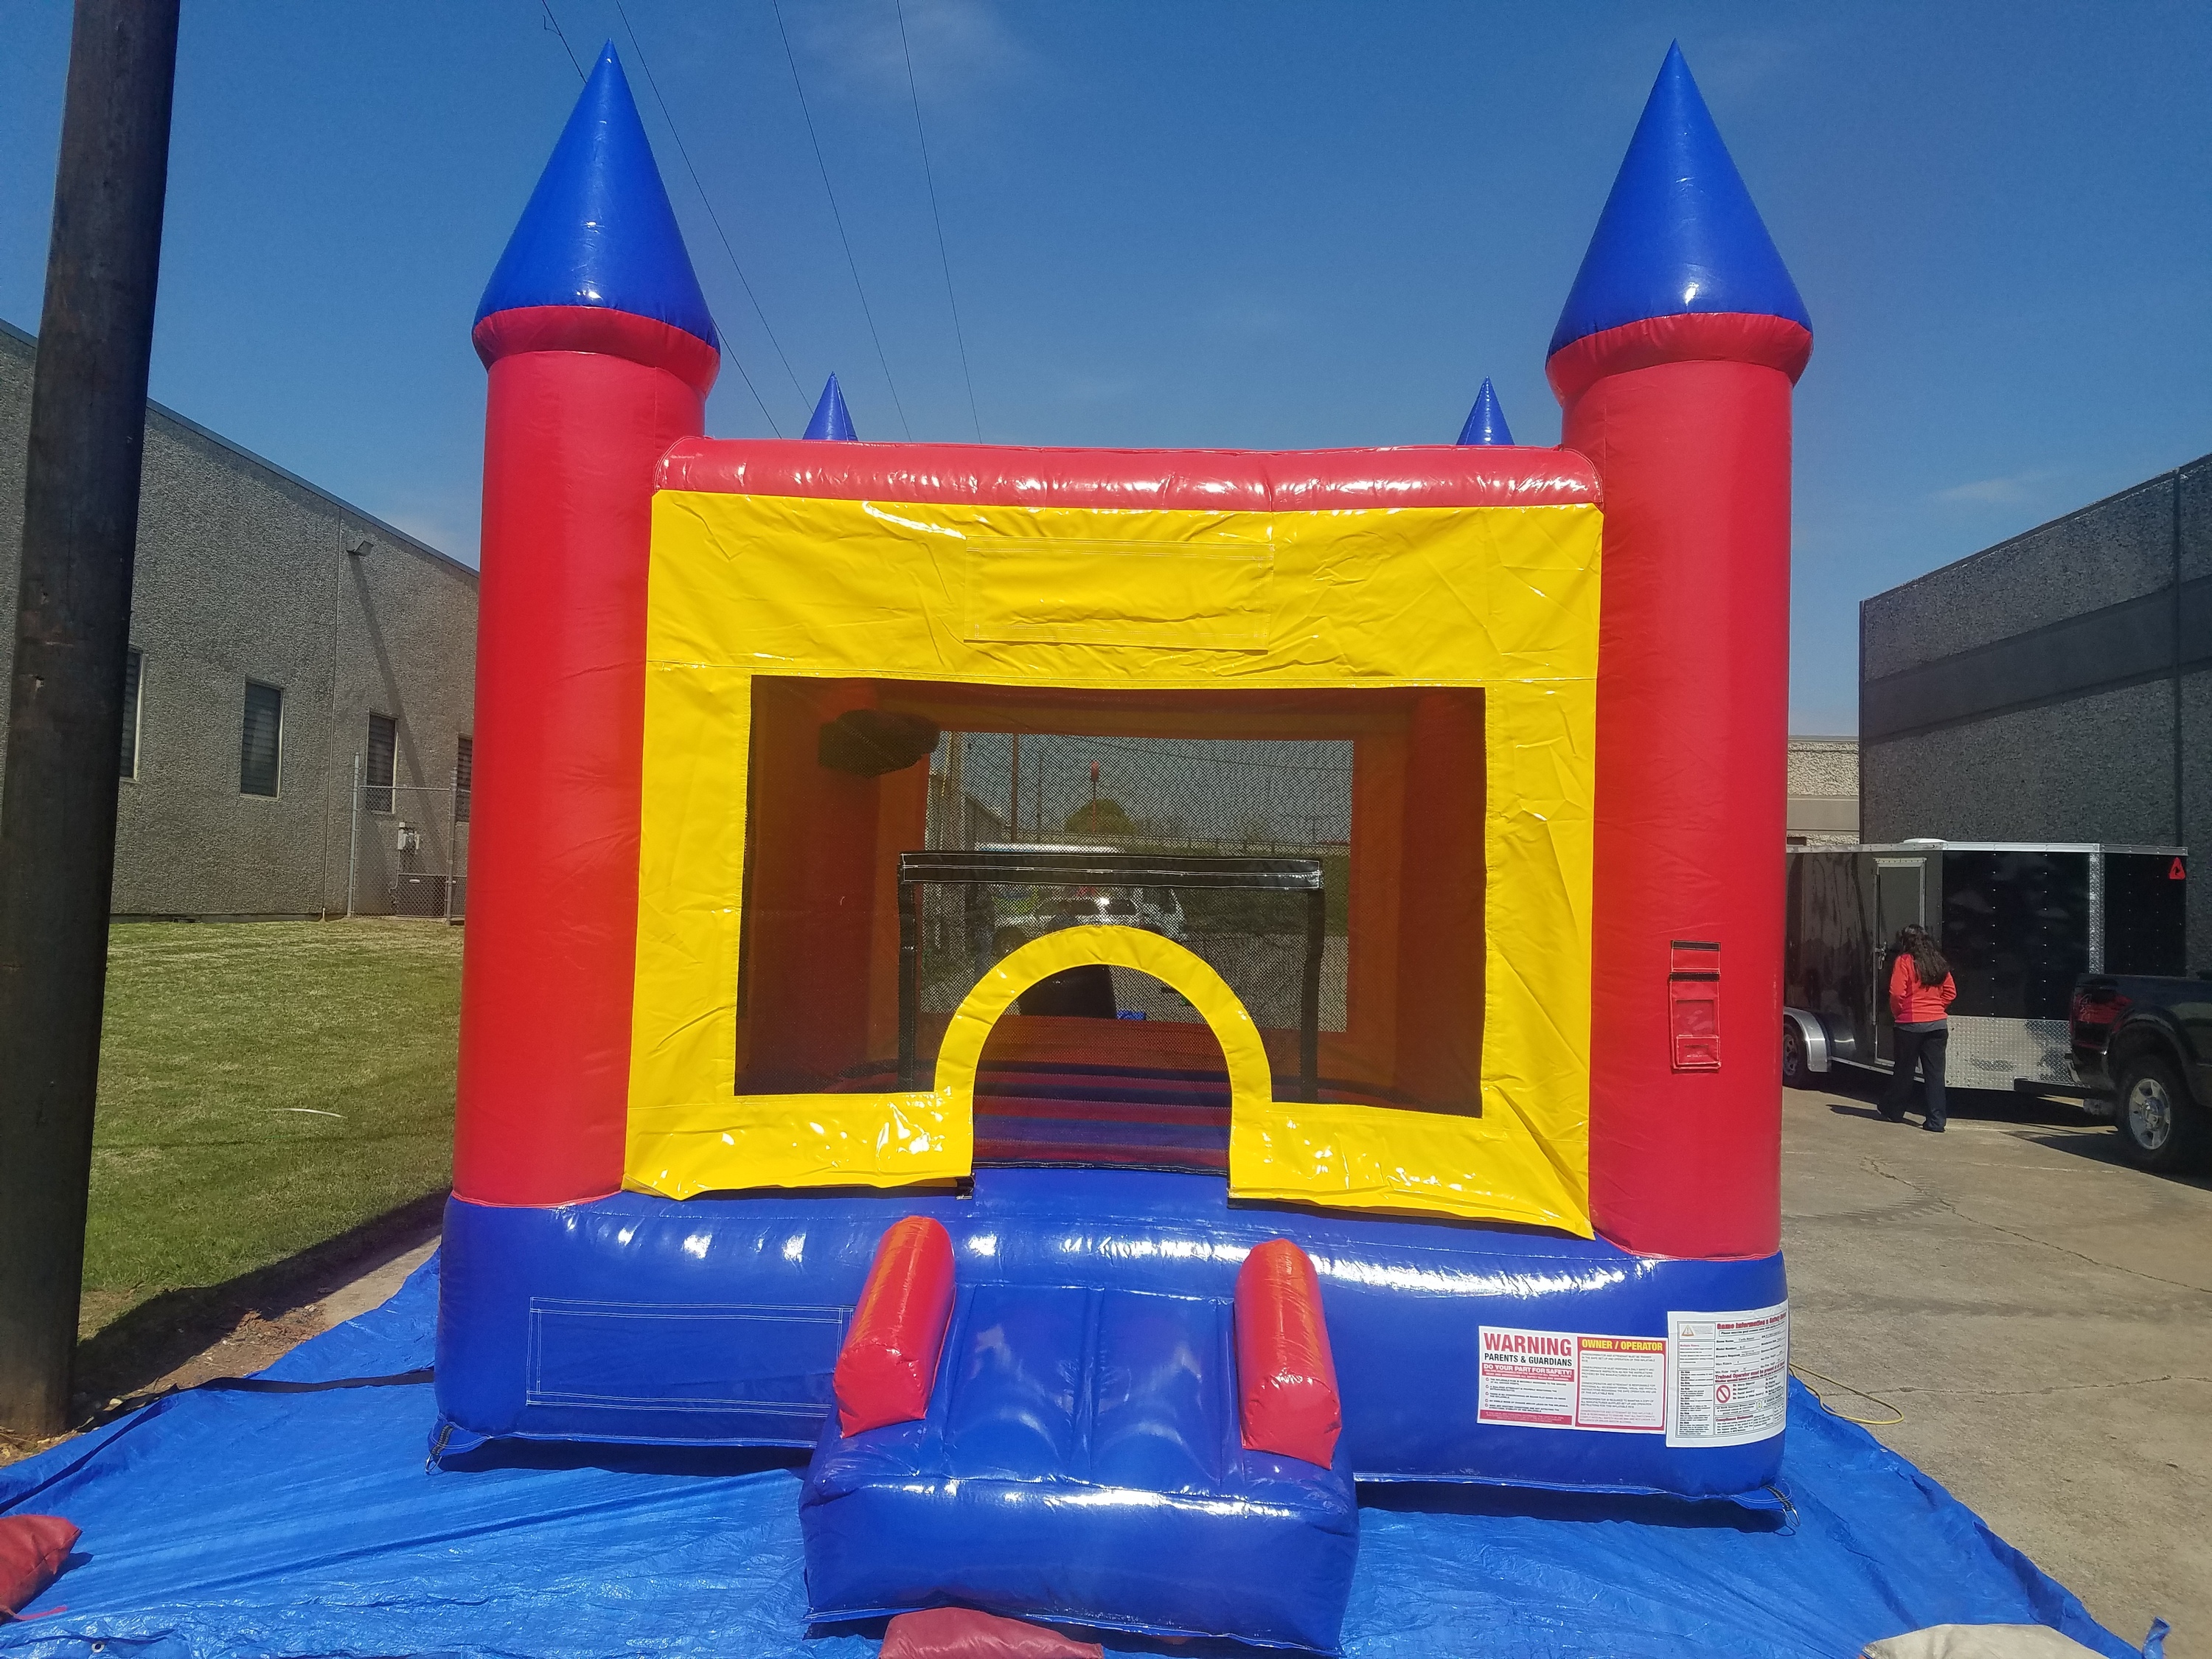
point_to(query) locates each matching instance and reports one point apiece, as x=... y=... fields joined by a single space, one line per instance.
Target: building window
x=134 y=677
x=464 y=777
x=260 y=747
x=383 y=744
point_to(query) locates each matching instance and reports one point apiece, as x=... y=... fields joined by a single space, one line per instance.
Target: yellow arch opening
x=893 y=1139
x=1352 y=1155
x=1251 y=1084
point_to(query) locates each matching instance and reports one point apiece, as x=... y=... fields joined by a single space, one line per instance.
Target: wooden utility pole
x=65 y=710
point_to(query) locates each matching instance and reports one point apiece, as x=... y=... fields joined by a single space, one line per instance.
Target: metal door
x=1901 y=899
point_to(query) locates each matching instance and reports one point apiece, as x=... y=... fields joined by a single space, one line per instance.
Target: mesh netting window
x=1176 y=796
x=1322 y=852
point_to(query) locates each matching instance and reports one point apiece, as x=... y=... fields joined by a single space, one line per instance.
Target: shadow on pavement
x=2072 y=1127
x=159 y=1335
x=2106 y=1149
x=1861 y=1090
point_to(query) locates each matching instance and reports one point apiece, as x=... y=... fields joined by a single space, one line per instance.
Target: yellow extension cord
x=1863 y=1422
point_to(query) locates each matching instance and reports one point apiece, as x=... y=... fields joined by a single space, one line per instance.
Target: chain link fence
x=407 y=851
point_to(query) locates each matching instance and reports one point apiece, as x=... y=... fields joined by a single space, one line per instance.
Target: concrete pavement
x=371 y=1289
x=2042 y=1315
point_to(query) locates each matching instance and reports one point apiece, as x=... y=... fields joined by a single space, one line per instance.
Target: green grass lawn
x=264 y=1087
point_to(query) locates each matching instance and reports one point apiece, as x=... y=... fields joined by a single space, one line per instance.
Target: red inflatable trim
x=964 y=1633
x=889 y=1364
x=1286 y=1380
x=598 y=329
x=31 y=1550
x=1230 y=480
x=1729 y=337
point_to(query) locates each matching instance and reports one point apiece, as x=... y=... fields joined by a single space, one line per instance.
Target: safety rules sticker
x=1560 y=1380
x=1728 y=1375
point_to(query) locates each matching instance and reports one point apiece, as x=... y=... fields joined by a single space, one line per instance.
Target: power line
x=714 y=219
x=547 y=6
x=930 y=178
x=851 y=264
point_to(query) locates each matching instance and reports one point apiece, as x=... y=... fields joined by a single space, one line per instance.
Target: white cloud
x=1994 y=492
x=1097 y=388
x=960 y=49
x=1742 y=65
x=446 y=521
x=1250 y=318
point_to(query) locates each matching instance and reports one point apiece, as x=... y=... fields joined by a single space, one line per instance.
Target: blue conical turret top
x=1679 y=233
x=599 y=230
x=832 y=419
x=1486 y=421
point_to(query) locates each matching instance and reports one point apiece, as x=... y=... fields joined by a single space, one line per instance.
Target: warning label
x=1527 y=1378
x=1561 y=1379
x=1728 y=1375
x=1623 y=1383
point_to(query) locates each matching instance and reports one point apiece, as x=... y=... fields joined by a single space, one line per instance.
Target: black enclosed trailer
x=2019 y=922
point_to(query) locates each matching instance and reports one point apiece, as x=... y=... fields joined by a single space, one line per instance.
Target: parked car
x=2143 y=1042
x=1160 y=910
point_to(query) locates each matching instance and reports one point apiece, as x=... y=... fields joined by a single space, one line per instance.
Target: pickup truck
x=2144 y=1042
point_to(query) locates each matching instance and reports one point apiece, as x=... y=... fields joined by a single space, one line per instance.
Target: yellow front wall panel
x=1506 y=598
x=1164 y=595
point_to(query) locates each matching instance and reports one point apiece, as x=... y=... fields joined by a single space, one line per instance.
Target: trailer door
x=1901 y=899
x=2146 y=912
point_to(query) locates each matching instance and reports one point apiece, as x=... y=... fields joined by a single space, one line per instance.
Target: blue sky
x=1222 y=223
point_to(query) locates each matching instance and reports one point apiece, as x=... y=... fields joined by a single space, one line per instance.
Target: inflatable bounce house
x=1099 y=1200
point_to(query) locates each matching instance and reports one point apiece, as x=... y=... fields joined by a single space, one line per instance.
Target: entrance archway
x=1251 y=1081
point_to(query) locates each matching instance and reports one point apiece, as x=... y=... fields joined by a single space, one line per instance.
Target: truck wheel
x=2161 y=1127
x=1793 y=1071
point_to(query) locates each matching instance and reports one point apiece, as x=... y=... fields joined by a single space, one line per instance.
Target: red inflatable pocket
x=963 y=1633
x=889 y=1362
x=31 y=1550
x=1285 y=1376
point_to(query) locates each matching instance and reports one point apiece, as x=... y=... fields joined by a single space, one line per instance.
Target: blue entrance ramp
x=217 y=1523
x=1082 y=1453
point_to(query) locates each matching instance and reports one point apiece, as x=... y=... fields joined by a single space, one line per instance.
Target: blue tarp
x=221 y=1522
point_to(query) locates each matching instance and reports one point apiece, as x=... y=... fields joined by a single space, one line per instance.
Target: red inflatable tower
x=601 y=354
x=1675 y=360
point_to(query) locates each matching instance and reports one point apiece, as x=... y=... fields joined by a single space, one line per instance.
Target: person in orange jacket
x=1920 y=994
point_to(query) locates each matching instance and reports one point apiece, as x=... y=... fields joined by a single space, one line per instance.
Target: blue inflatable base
x=717 y=1320
x=220 y=1523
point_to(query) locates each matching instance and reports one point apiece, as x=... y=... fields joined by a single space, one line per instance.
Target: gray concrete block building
x=279 y=638
x=2055 y=687
x=1824 y=792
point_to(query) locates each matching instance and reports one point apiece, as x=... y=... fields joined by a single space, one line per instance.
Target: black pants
x=1924 y=1046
